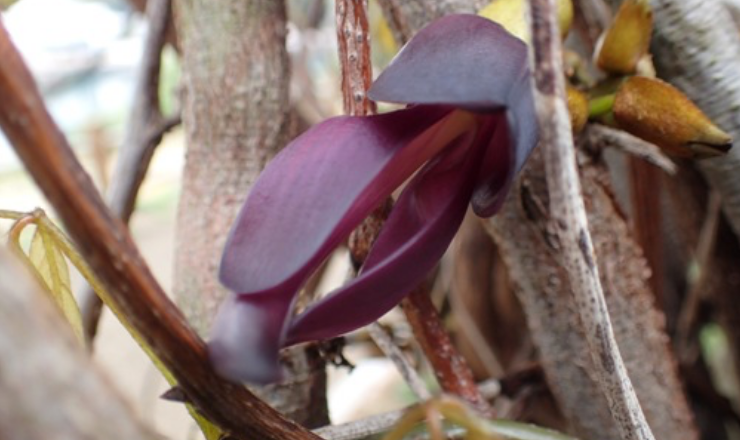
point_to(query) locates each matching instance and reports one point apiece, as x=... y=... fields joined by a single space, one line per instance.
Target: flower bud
x=659 y=113
x=626 y=42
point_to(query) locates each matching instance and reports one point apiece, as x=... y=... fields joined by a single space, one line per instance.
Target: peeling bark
x=236 y=115
x=697 y=49
x=524 y=233
x=50 y=387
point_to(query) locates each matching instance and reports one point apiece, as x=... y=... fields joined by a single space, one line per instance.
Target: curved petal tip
x=244 y=344
x=462 y=60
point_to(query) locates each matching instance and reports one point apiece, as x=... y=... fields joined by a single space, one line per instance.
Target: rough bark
x=57 y=392
x=571 y=231
x=236 y=116
x=697 y=49
x=524 y=232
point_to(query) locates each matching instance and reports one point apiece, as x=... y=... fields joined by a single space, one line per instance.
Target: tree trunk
x=697 y=49
x=50 y=387
x=523 y=231
x=236 y=115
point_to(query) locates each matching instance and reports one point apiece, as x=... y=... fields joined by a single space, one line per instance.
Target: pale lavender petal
x=462 y=60
x=470 y=62
x=414 y=238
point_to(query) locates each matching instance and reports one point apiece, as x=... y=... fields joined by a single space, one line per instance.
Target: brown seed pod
x=659 y=113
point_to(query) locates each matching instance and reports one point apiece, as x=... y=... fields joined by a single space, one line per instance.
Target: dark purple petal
x=305 y=202
x=507 y=153
x=470 y=62
x=246 y=337
x=319 y=188
x=414 y=238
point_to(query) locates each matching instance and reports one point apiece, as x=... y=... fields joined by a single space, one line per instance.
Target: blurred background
x=84 y=55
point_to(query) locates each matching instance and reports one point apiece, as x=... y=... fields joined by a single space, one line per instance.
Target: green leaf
x=52 y=268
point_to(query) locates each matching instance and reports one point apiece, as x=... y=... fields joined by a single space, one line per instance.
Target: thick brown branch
x=568 y=211
x=57 y=391
x=106 y=244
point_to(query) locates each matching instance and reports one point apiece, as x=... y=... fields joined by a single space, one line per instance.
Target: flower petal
x=462 y=60
x=474 y=63
x=321 y=186
x=507 y=153
x=414 y=238
x=246 y=337
x=305 y=202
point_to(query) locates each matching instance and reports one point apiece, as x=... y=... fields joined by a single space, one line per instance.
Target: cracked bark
x=236 y=116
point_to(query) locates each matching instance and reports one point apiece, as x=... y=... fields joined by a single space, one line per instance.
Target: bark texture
x=524 y=232
x=697 y=49
x=236 y=116
x=51 y=390
x=571 y=229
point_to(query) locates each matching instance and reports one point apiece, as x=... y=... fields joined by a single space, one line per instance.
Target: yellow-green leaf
x=52 y=268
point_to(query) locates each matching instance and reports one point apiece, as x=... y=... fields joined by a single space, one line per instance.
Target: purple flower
x=468 y=129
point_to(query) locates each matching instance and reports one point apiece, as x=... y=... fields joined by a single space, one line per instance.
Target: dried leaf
x=52 y=267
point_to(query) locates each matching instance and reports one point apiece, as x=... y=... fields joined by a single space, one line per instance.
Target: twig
x=108 y=247
x=146 y=127
x=601 y=135
x=591 y=18
x=354 y=56
x=380 y=423
x=697 y=284
x=142 y=6
x=647 y=225
x=391 y=350
x=568 y=211
x=353 y=35
x=450 y=368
